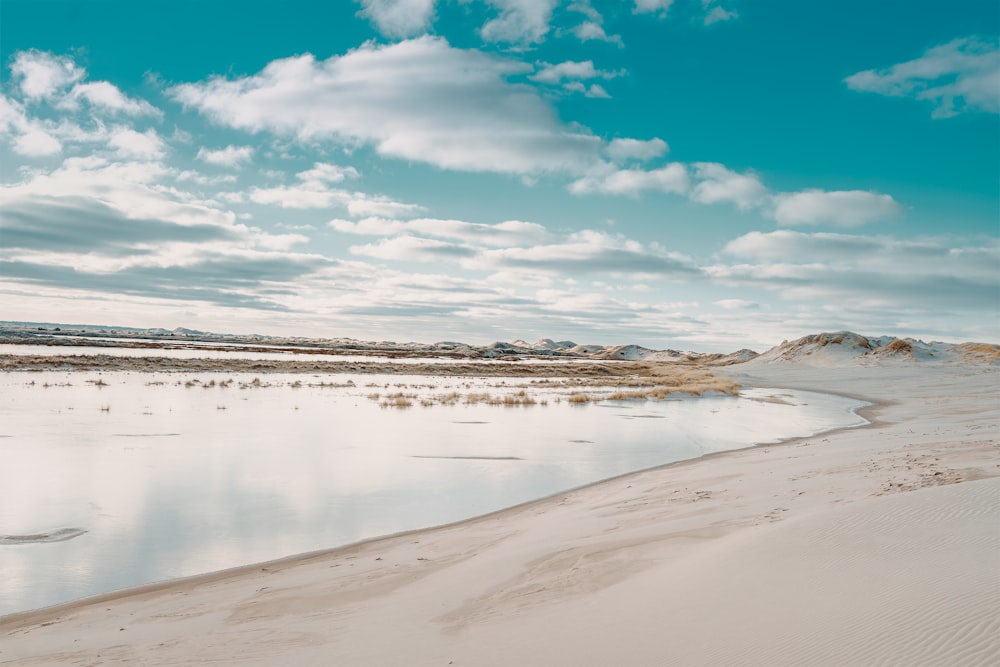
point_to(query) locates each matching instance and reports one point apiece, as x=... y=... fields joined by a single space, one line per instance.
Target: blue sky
x=705 y=174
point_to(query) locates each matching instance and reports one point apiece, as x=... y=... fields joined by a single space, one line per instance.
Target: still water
x=171 y=478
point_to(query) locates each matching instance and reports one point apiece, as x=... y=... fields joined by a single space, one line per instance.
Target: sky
x=688 y=174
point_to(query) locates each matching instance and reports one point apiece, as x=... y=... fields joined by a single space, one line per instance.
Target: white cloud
x=716 y=184
x=129 y=144
x=41 y=75
x=714 y=13
x=37 y=143
x=621 y=150
x=323 y=172
x=878 y=270
x=847 y=208
x=399 y=18
x=737 y=304
x=962 y=75
x=101 y=227
x=596 y=90
x=587 y=251
x=570 y=70
x=509 y=232
x=652 y=6
x=12 y=116
x=104 y=96
x=419 y=100
x=304 y=196
x=413 y=249
x=520 y=21
x=230 y=156
x=191 y=176
x=672 y=178
x=44 y=76
x=592 y=30
x=314 y=192
x=361 y=205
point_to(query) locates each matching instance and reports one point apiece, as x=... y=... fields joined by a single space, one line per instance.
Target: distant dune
x=849 y=348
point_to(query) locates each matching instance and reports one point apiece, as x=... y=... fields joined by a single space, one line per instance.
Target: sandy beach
x=874 y=545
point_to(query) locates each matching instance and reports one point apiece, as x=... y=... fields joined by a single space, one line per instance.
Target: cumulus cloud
x=106 y=97
x=621 y=150
x=314 y=191
x=962 y=75
x=570 y=71
x=36 y=142
x=716 y=183
x=399 y=18
x=571 y=75
x=593 y=27
x=40 y=75
x=323 y=172
x=845 y=208
x=418 y=100
x=672 y=178
x=129 y=144
x=300 y=196
x=592 y=30
x=660 y=7
x=715 y=13
x=230 y=156
x=45 y=121
x=519 y=22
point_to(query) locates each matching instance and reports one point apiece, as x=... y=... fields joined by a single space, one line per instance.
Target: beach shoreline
x=868 y=412
x=547 y=566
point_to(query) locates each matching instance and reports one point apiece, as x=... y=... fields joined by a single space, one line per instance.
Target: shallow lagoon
x=172 y=478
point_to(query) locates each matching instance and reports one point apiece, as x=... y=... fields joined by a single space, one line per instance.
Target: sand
x=877 y=545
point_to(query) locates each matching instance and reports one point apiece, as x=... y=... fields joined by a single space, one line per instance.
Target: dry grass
x=577 y=383
x=396 y=400
x=985 y=353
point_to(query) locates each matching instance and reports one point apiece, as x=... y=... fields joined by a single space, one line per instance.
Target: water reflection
x=170 y=479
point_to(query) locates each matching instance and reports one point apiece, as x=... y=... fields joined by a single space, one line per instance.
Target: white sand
x=878 y=545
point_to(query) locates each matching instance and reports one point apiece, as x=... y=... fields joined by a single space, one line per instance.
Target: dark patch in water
x=60 y=535
x=583 y=442
x=469 y=458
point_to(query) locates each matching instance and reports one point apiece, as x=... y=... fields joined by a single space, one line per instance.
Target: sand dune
x=870 y=546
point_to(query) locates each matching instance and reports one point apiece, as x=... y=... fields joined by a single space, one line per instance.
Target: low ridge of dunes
x=847 y=347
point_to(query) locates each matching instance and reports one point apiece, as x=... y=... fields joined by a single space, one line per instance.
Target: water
x=169 y=478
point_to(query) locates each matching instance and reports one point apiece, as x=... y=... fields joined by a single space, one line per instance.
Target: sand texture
x=871 y=546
